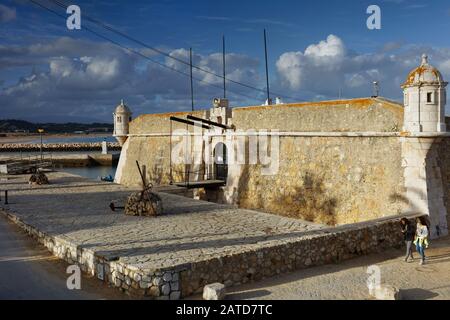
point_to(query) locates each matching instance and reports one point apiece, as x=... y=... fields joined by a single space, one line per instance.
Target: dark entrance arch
x=220 y=162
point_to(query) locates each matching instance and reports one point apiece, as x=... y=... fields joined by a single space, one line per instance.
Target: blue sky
x=316 y=50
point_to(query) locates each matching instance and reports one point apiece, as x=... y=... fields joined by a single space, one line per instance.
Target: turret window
x=430 y=97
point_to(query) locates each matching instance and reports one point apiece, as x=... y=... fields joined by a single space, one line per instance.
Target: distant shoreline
x=58 y=147
x=30 y=137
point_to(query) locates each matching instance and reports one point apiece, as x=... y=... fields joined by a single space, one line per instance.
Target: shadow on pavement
x=248 y=295
x=418 y=294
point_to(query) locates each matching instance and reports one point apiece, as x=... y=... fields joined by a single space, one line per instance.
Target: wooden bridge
x=207 y=184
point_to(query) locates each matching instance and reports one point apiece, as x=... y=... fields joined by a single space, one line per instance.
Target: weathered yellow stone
x=318 y=177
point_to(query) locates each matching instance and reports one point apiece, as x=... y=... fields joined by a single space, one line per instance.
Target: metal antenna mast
x=267 y=67
x=192 y=83
x=224 y=73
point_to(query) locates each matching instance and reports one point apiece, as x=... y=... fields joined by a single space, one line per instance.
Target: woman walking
x=408 y=235
x=421 y=240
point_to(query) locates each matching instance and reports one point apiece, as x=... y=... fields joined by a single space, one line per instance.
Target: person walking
x=409 y=232
x=421 y=239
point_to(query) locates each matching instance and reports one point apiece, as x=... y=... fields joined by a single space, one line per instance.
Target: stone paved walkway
x=347 y=280
x=77 y=209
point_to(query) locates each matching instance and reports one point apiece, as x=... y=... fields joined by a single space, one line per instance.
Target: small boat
x=107 y=178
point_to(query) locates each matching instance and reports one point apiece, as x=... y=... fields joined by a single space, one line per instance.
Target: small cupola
x=122 y=119
x=424 y=99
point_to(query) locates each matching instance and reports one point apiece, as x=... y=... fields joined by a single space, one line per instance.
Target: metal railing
x=24 y=164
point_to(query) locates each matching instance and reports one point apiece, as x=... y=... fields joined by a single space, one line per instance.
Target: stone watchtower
x=122 y=119
x=424 y=123
x=424 y=99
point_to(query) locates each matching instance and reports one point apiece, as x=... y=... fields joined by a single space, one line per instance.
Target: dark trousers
x=409 y=249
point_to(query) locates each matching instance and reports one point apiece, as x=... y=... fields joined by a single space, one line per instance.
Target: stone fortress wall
x=149 y=143
x=444 y=161
x=332 y=180
x=356 y=115
x=334 y=162
x=340 y=161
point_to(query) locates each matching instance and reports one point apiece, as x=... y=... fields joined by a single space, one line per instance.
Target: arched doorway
x=220 y=162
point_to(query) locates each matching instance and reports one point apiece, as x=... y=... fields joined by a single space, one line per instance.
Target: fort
x=337 y=162
x=328 y=181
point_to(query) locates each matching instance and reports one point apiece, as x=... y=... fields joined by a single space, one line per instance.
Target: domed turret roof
x=122 y=108
x=424 y=74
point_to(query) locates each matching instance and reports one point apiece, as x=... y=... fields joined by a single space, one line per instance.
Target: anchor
x=113 y=207
x=146 y=187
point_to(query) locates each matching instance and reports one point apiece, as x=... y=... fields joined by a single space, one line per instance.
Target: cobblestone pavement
x=347 y=280
x=77 y=209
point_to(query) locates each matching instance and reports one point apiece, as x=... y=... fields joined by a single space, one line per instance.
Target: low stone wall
x=17 y=147
x=316 y=248
x=158 y=284
x=321 y=247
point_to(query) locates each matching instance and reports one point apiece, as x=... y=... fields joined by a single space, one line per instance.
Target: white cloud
x=83 y=77
x=333 y=47
x=103 y=68
x=328 y=67
x=319 y=65
x=61 y=67
x=67 y=77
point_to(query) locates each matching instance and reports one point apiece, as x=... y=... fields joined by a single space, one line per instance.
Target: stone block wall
x=443 y=150
x=424 y=163
x=160 y=123
x=157 y=284
x=149 y=143
x=151 y=152
x=316 y=248
x=331 y=180
x=356 y=115
x=329 y=246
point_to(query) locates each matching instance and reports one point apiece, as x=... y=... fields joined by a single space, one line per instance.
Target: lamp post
x=41 y=131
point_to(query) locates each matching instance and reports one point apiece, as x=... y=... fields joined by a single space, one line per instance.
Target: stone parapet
x=321 y=247
x=316 y=248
